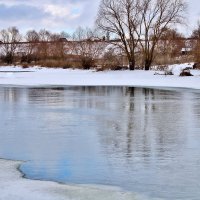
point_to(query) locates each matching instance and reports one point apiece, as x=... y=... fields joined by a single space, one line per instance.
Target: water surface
x=143 y=140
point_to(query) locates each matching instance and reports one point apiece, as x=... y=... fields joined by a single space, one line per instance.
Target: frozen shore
x=14 y=187
x=12 y=184
x=35 y=76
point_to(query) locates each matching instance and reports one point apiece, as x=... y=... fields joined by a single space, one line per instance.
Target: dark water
x=143 y=140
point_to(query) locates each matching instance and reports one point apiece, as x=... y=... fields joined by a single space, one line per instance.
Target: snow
x=36 y=76
x=14 y=187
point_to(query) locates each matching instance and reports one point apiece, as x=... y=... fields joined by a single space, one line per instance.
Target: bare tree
x=65 y=35
x=44 y=35
x=196 y=32
x=57 y=47
x=155 y=17
x=10 y=42
x=87 y=46
x=196 y=42
x=44 y=46
x=139 y=21
x=113 y=58
x=120 y=19
x=169 y=46
x=32 y=37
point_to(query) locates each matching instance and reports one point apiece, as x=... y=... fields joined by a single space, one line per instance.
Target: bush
x=87 y=63
x=185 y=72
x=25 y=66
x=29 y=58
x=8 y=58
x=118 y=67
x=111 y=67
x=196 y=66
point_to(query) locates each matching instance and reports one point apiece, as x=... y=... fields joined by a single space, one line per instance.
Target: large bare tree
x=139 y=21
x=120 y=19
x=156 y=16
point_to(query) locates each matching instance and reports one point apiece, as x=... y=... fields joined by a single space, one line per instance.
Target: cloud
x=20 y=11
x=58 y=11
x=64 y=15
x=54 y=15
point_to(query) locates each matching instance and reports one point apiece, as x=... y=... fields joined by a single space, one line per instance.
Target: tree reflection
x=143 y=122
x=46 y=95
x=130 y=122
x=11 y=95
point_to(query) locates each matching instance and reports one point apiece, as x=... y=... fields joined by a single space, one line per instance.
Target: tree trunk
x=147 y=64
x=132 y=64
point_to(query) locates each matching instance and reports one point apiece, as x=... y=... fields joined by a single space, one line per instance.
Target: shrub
x=8 y=58
x=29 y=58
x=196 y=66
x=185 y=72
x=87 y=63
x=25 y=66
x=118 y=67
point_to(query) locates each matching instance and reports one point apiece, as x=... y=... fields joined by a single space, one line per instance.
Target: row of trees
x=82 y=46
x=133 y=32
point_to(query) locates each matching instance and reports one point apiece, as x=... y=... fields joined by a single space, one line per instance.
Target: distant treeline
x=120 y=40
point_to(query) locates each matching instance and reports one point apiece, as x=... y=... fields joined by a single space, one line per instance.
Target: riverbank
x=68 y=77
x=13 y=187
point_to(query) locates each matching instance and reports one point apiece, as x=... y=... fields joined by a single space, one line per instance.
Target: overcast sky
x=63 y=15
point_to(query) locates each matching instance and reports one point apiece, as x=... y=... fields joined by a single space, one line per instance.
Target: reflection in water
x=144 y=140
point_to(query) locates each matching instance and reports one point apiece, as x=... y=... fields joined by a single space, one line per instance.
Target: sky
x=65 y=15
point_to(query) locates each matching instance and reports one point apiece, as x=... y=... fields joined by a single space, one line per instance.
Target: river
x=143 y=140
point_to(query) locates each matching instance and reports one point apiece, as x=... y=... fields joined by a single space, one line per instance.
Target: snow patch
x=68 y=77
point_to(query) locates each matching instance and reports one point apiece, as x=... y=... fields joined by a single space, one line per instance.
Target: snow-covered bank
x=14 y=187
x=62 y=77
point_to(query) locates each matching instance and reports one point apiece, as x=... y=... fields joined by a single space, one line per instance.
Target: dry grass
x=56 y=64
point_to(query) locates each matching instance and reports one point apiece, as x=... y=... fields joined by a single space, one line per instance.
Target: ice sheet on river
x=14 y=187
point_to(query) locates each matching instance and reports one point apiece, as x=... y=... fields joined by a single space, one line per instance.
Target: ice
x=14 y=187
